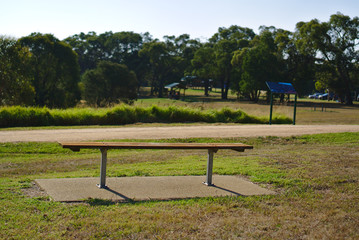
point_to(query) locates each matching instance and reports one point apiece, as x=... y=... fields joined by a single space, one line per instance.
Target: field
x=193 y=108
x=308 y=111
x=315 y=176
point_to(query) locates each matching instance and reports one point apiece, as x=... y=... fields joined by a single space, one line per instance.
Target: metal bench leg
x=103 y=168
x=209 y=167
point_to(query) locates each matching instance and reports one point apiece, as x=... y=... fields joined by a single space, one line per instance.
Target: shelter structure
x=174 y=90
x=281 y=88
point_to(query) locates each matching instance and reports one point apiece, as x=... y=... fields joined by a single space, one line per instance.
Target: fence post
x=271 y=108
x=295 y=108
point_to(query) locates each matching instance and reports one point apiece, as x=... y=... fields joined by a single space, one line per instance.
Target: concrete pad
x=148 y=188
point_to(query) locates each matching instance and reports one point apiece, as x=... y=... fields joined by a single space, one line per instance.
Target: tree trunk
x=225 y=92
x=227 y=83
x=222 y=88
x=160 y=89
x=344 y=75
x=206 y=85
x=227 y=88
x=152 y=85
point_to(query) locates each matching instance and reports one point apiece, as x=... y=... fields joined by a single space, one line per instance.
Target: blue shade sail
x=281 y=87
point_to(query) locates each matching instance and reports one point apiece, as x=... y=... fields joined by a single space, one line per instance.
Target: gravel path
x=89 y=134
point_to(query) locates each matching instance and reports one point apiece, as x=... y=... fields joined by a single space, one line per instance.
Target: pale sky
x=199 y=18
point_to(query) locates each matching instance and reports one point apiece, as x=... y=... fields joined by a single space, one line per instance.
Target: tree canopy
x=335 y=44
x=15 y=77
x=258 y=63
x=109 y=83
x=42 y=70
x=55 y=71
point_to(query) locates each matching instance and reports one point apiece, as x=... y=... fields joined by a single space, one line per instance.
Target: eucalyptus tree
x=168 y=60
x=15 y=76
x=335 y=44
x=109 y=83
x=225 y=42
x=257 y=64
x=55 y=70
x=119 y=47
x=174 y=47
x=160 y=62
x=81 y=45
x=181 y=49
x=299 y=68
x=204 y=65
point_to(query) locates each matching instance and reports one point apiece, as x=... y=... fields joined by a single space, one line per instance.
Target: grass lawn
x=316 y=178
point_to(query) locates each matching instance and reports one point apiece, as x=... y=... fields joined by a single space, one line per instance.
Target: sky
x=199 y=18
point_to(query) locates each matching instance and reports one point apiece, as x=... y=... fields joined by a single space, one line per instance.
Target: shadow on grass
x=106 y=202
x=99 y=202
x=126 y=200
x=205 y=99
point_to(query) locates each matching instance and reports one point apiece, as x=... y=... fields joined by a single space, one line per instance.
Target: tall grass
x=123 y=114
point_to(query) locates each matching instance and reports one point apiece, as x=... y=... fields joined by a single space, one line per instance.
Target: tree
x=299 y=67
x=204 y=65
x=258 y=64
x=225 y=42
x=184 y=48
x=119 y=47
x=109 y=83
x=15 y=77
x=88 y=52
x=55 y=71
x=161 y=64
x=335 y=44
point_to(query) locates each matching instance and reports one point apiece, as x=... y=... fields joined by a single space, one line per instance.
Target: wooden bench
x=104 y=146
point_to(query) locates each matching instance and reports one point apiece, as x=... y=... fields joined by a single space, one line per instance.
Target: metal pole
x=209 y=168
x=295 y=108
x=271 y=108
x=103 y=168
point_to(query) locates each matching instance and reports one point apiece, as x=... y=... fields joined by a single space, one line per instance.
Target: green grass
x=315 y=176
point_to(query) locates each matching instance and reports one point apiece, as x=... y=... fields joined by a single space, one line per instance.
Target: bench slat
x=76 y=146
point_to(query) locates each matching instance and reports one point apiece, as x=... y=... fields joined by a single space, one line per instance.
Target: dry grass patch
x=316 y=178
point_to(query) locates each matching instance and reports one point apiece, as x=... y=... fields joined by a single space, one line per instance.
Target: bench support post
x=103 y=168
x=208 y=181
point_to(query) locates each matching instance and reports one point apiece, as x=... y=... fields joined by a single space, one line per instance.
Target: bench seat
x=76 y=146
x=104 y=146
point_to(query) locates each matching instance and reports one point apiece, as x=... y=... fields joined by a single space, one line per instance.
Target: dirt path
x=170 y=132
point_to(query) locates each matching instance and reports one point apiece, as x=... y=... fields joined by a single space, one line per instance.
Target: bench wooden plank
x=150 y=145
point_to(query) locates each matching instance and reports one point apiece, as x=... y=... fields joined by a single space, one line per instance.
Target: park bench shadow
x=227 y=190
x=105 y=202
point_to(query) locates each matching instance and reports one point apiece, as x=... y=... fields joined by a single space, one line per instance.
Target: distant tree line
x=105 y=68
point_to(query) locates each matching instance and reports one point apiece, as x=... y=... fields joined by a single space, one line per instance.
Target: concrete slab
x=148 y=188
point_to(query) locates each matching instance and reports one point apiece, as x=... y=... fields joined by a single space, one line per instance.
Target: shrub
x=123 y=114
x=24 y=117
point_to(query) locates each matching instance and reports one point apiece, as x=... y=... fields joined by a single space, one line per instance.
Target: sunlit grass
x=315 y=176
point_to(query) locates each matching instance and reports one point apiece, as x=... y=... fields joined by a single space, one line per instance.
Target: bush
x=123 y=114
x=24 y=117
